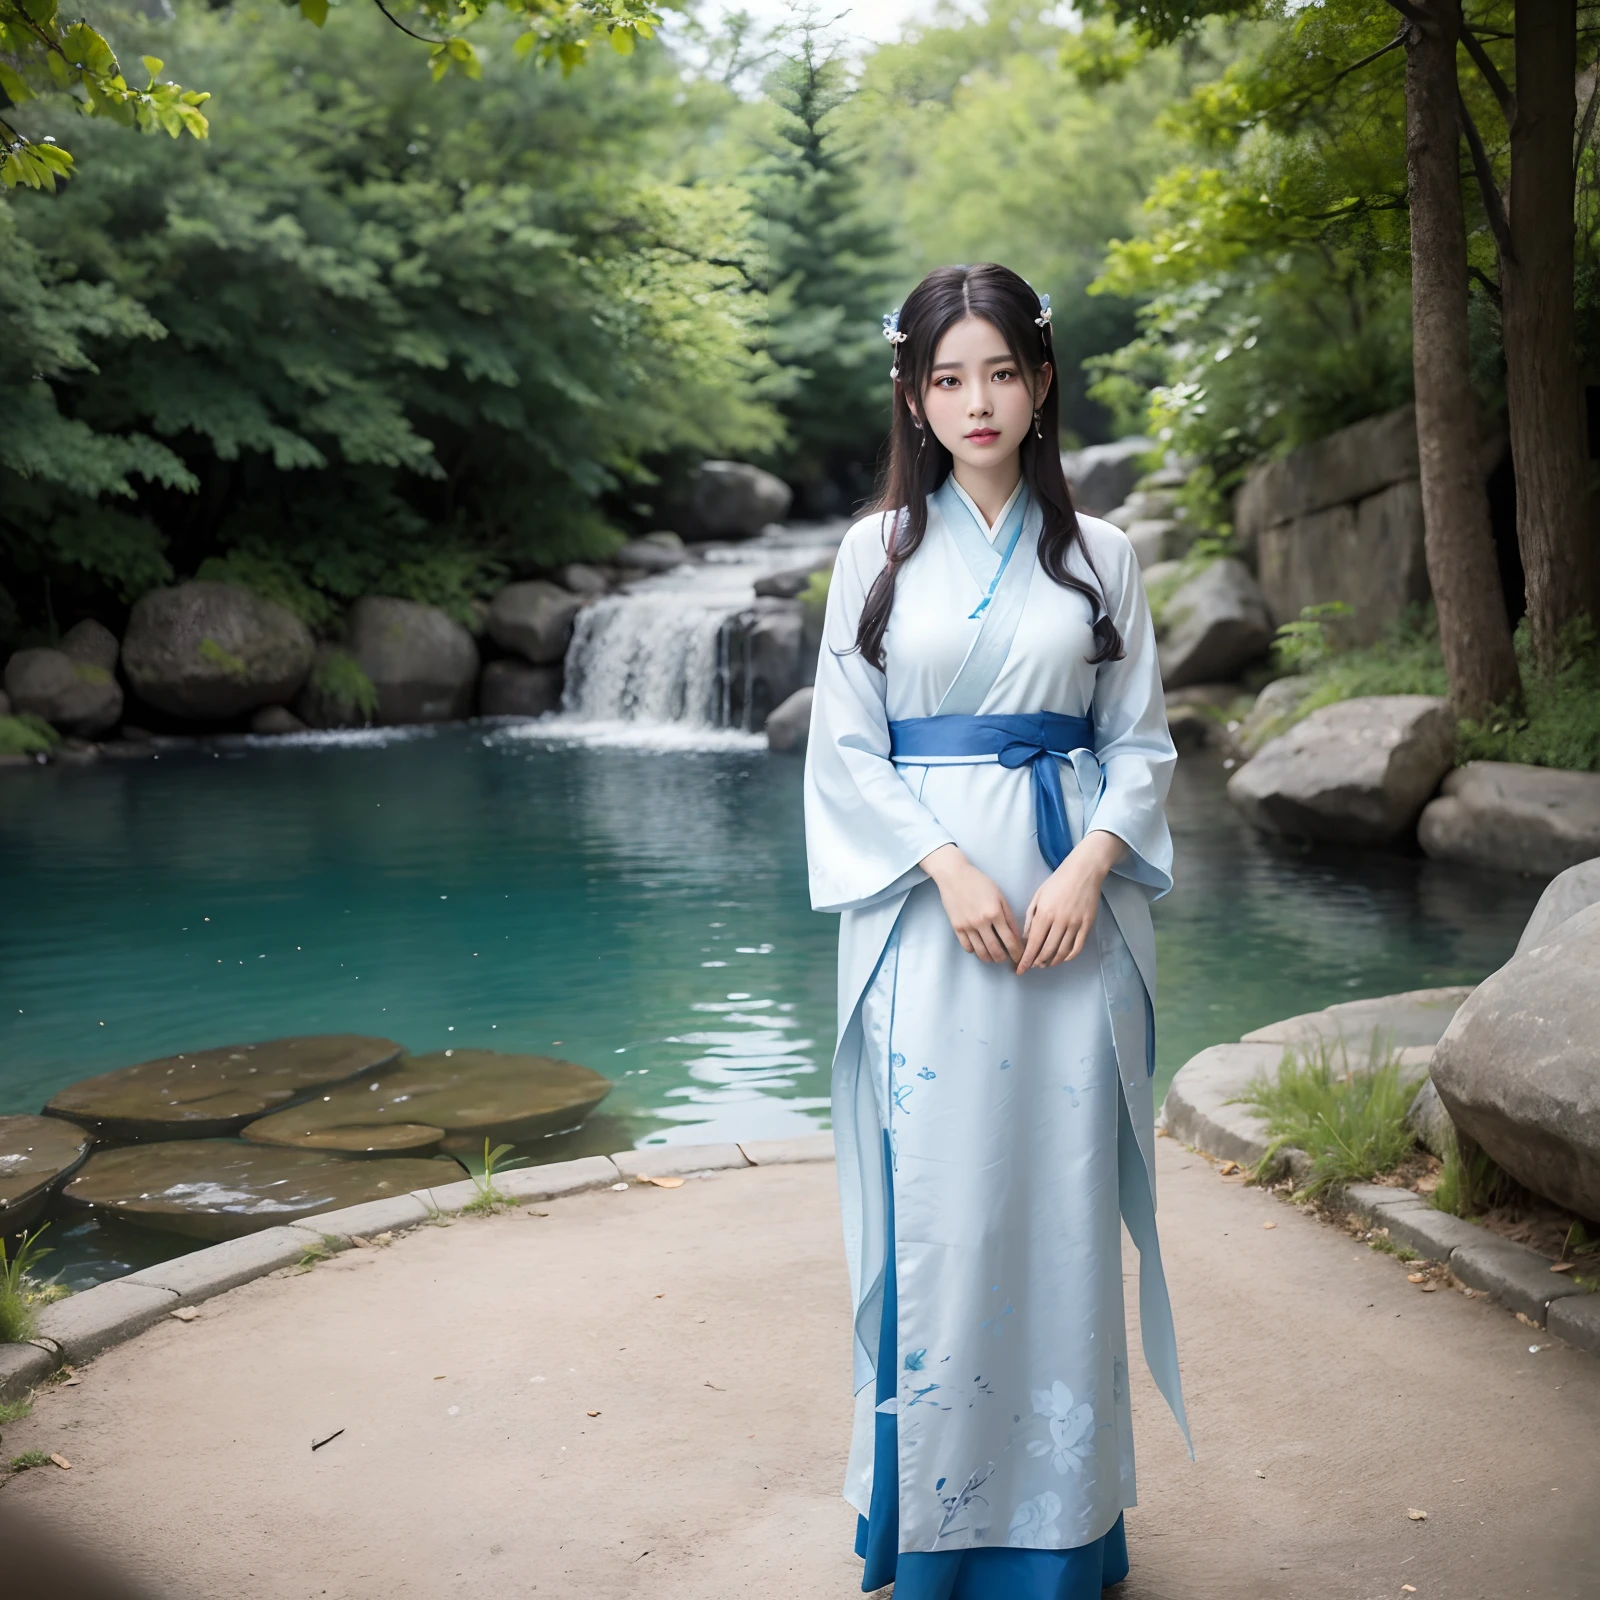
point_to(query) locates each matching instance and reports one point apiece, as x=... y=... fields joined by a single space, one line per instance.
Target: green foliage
x=1308 y=641
x=19 y=1293
x=1558 y=723
x=30 y=1458
x=26 y=734
x=214 y=655
x=371 y=335
x=339 y=681
x=1406 y=660
x=1469 y=1184
x=488 y=1199
x=15 y=1410
x=1349 y=1120
x=1384 y=1245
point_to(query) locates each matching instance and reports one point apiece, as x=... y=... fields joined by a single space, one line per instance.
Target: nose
x=978 y=402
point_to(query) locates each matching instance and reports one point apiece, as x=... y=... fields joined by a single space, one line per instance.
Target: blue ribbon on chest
x=1026 y=739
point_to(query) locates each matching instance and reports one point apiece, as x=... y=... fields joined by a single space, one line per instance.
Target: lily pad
x=472 y=1095
x=204 y=1093
x=220 y=1189
x=36 y=1153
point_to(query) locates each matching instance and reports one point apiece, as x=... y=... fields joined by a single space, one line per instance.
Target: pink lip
x=983 y=435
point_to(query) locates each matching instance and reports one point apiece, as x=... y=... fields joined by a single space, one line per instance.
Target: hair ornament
x=1043 y=319
x=891 y=327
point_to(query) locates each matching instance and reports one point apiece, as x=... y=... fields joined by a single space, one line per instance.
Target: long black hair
x=916 y=463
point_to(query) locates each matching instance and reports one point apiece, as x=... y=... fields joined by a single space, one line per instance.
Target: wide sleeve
x=865 y=830
x=1135 y=750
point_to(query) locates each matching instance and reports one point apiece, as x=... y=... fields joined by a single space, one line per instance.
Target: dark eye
x=1003 y=373
x=944 y=382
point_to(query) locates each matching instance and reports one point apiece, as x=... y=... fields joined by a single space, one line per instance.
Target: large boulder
x=74 y=696
x=1516 y=818
x=766 y=660
x=1357 y=772
x=423 y=663
x=1271 y=714
x=732 y=499
x=789 y=727
x=534 y=619
x=1564 y=896
x=92 y=643
x=1214 y=624
x=645 y=555
x=515 y=689
x=209 y=651
x=1103 y=475
x=1519 y=1068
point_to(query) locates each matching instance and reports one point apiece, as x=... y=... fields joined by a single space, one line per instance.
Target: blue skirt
x=986 y=1574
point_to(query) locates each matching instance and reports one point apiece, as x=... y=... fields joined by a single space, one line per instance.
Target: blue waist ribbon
x=1029 y=739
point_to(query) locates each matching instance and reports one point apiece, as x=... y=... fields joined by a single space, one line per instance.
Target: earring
x=1037 y=430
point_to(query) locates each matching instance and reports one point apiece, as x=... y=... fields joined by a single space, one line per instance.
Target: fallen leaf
x=184 y=1314
x=359 y=1242
x=62 y=1462
x=382 y=1238
x=594 y=1413
x=1269 y=1224
x=1415 y=1515
x=1562 y=1266
x=1408 y=1588
x=1526 y=1320
x=67 y=1383
x=439 y=1377
x=1228 y=1168
x=1260 y=1473
x=666 y=1183
x=1416 y=1277
x=1430 y=1288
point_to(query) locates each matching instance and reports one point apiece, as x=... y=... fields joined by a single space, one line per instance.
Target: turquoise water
x=642 y=911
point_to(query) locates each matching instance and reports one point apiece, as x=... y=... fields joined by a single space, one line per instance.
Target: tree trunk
x=1544 y=392
x=1462 y=569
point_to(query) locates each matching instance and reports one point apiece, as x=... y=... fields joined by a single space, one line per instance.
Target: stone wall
x=1340 y=520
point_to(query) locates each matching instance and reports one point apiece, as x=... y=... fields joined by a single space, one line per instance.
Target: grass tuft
x=1559 y=722
x=488 y=1199
x=26 y=734
x=20 y=1293
x=15 y=1410
x=30 y=1458
x=1350 y=1120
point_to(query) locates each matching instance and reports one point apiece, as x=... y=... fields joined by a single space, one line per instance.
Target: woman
x=988 y=738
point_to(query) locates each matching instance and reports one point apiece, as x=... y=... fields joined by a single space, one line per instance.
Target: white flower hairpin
x=1043 y=319
x=891 y=332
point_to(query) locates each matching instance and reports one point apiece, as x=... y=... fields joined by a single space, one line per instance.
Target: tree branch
x=1493 y=205
x=1490 y=287
x=1586 y=128
x=1491 y=74
x=1417 y=17
x=421 y=38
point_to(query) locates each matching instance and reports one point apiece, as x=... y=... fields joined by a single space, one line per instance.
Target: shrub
x=1559 y=723
x=27 y=735
x=341 y=683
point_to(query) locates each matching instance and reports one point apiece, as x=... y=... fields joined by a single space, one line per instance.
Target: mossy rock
x=300 y=1129
x=204 y=1093
x=472 y=1095
x=222 y=1189
x=36 y=1153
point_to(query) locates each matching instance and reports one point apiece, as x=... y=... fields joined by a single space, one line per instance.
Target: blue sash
x=1029 y=739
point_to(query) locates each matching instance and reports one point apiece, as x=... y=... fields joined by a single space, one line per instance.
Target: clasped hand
x=1059 y=916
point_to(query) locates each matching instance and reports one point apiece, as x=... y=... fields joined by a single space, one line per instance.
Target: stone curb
x=86 y=1324
x=1197 y=1113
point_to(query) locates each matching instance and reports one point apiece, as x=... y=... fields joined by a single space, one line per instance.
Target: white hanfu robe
x=1018 y=1110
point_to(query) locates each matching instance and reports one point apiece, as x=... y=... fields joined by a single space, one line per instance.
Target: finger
x=1060 y=938
x=1009 y=937
x=1073 y=947
x=963 y=941
x=994 y=948
x=1038 y=940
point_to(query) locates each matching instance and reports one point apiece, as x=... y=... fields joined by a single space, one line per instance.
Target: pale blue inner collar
x=990 y=530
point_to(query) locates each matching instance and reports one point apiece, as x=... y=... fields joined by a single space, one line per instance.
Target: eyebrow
x=1007 y=360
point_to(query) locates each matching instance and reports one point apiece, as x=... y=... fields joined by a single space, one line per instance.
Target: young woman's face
x=979 y=402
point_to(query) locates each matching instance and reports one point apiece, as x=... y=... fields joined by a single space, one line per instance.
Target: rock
x=358 y=1139
x=1142 y=505
x=93 y=643
x=219 y=1189
x=471 y=1095
x=1368 y=555
x=423 y=663
x=1346 y=466
x=766 y=660
x=210 y=1092
x=5 y=704
x=1416 y=1019
x=1357 y=772
x=208 y=651
x=665 y=537
x=732 y=499
x=1103 y=475
x=1191 y=726
x=789 y=727
x=1270 y=715
x=582 y=579
x=1500 y=814
x=1519 y=1068
x=36 y=1153
x=1565 y=896
x=789 y=585
x=74 y=696
x=515 y=689
x=642 y=556
x=1214 y=624
x=534 y=619
x=1429 y=1123
x=1159 y=539
x=276 y=720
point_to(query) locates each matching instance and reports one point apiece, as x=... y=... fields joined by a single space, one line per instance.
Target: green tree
x=373 y=334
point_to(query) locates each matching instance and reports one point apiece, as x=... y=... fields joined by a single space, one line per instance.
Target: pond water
x=641 y=910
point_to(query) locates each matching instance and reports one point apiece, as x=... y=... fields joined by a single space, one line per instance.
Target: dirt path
x=707 y=1327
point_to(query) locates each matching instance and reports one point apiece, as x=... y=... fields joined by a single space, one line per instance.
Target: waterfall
x=666 y=651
